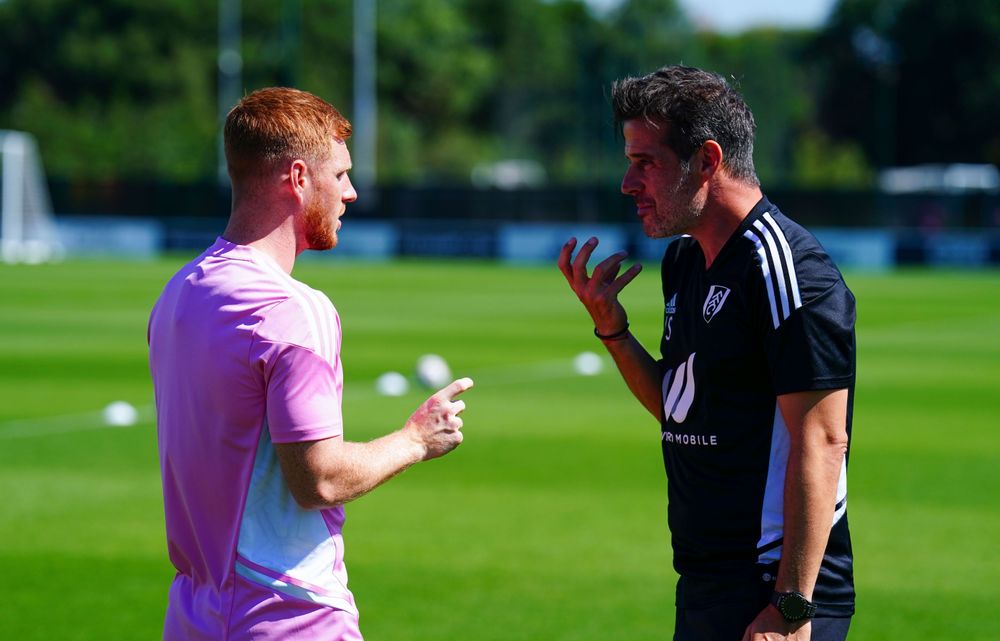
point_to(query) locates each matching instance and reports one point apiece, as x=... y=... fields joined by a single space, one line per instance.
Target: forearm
x=332 y=471
x=815 y=462
x=361 y=467
x=810 y=498
x=328 y=473
x=640 y=372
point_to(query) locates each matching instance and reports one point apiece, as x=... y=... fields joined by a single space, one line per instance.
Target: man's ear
x=710 y=158
x=298 y=178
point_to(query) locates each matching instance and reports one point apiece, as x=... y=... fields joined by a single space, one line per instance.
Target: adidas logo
x=671 y=307
x=668 y=317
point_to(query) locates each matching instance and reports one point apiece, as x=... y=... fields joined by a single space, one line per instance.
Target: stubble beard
x=684 y=208
x=319 y=227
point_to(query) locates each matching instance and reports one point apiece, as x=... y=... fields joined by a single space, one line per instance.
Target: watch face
x=794 y=607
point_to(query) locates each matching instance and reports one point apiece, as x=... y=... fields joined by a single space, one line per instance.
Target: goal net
x=27 y=228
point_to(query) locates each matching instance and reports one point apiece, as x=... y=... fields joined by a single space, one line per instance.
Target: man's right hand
x=599 y=291
x=599 y=294
x=436 y=425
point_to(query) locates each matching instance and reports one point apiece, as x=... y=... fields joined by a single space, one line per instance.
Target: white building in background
x=940 y=179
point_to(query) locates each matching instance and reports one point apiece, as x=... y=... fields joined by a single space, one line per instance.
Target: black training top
x=772 y=315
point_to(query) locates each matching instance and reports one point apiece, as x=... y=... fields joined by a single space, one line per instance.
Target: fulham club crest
x=716 y=298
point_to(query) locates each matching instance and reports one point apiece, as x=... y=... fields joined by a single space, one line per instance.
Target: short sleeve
x=303 y=400
x=814 y=347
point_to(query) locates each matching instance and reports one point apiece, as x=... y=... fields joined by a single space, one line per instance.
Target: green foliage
x=534 y=106
x=431 y=76
x=643 y=35
x=549 y=521
x=818 y=162
x=113 y=92
x=125 y=89
x=913 y=81
x=761 y=64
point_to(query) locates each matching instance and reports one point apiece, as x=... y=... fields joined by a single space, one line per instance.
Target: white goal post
x=27 y=227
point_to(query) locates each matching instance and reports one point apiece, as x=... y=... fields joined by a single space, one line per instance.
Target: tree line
x=126 y=89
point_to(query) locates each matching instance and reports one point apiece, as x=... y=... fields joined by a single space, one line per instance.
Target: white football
x=433 y=371
x=588 y=364
x=120 y=414
x=392 y=384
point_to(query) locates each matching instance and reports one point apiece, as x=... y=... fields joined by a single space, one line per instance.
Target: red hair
x=279 y=124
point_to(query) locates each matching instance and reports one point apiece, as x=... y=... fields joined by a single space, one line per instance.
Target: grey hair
x=698 y=106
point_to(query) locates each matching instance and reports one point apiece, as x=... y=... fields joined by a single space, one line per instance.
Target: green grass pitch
x=549 y=522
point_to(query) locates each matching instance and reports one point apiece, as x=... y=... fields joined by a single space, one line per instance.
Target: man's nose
x=629 y=183
x=350 y=194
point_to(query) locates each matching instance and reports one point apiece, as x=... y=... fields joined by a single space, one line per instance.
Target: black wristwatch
x=794 y=606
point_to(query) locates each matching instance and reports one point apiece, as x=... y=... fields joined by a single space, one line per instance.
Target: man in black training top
x=754 y=388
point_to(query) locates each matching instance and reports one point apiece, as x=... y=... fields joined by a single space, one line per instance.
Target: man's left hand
x=771 y=626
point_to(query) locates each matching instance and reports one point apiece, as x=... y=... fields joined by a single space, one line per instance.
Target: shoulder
x=221 y=287
x=304 y=318
x=300 y=318
x=282 y=309
x=789 y=258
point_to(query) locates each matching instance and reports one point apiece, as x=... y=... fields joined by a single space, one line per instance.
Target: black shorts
x=725 y=615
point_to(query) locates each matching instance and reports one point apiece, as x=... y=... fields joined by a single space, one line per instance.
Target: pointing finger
x=454 y=388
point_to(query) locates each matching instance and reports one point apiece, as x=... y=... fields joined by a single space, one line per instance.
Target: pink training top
x=244 y=356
